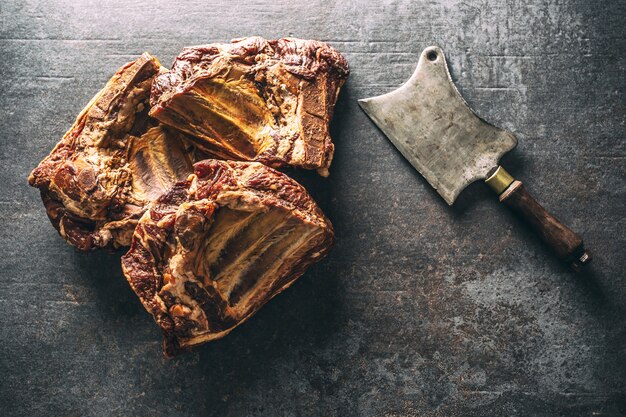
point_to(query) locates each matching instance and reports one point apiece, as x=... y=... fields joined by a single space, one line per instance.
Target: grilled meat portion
x=97 y=181
x=219 y=245
x=255 y=100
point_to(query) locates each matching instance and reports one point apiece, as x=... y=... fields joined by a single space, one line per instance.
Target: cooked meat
x=97 y=181
x=216 y=247
x=255 y=100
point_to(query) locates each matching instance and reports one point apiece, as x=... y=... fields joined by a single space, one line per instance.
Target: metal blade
x=434 y=128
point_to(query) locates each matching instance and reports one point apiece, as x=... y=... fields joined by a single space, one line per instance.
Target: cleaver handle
x=567 y=245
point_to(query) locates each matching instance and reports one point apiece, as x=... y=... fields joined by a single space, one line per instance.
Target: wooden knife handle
x=567 y=245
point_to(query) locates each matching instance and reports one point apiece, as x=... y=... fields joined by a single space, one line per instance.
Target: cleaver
x=437 y=132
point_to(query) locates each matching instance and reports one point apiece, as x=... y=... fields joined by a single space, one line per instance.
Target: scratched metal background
x=421 y=310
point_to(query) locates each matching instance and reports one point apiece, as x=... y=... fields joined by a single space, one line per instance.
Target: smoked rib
x=217 y=246
x=255 y=99
x=97 y=181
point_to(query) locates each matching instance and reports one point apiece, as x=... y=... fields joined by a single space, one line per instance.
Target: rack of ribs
x=98 y=180
x=255 y=99
x=217 y=246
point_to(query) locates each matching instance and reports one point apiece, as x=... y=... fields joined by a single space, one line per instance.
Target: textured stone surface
x=421 y=309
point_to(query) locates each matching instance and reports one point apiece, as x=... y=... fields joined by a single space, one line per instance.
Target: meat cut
x=97 y=181
x=255 y=100
x=217 y=246
x=210 y=243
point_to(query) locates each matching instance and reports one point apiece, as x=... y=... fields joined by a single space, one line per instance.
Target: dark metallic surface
x=421 y=309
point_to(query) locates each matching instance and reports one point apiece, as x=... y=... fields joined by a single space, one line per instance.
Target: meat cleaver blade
x=436 y=131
